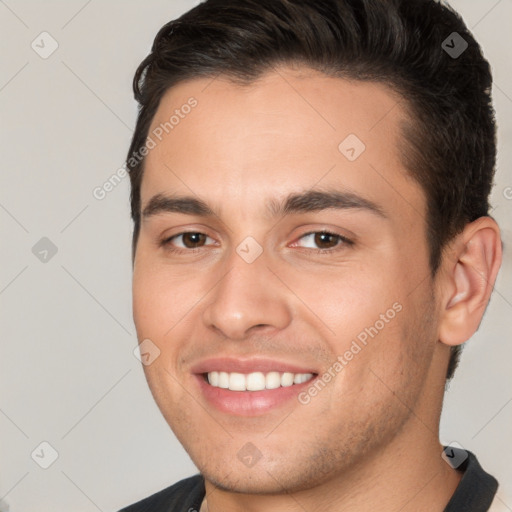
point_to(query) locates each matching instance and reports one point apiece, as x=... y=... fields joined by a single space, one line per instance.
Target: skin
x=374 y=427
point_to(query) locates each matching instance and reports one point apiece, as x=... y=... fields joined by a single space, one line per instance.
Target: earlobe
x=468 y=280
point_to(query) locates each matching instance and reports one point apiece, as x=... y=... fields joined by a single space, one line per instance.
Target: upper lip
x=256 y=364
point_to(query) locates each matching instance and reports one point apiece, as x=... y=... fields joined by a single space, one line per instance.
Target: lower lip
x=250 y=403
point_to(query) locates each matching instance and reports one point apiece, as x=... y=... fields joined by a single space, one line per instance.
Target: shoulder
x=185 y=495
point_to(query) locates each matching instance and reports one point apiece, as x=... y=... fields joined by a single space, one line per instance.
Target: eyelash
x=166 y=243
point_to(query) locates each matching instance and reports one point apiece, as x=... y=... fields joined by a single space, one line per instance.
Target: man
x=312 y=245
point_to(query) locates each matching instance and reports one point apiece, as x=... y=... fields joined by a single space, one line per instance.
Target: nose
x=248 y=298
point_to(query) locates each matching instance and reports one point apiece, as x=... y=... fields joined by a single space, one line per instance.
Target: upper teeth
x=255 y=381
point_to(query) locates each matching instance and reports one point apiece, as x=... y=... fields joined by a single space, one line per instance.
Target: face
x=271 y=244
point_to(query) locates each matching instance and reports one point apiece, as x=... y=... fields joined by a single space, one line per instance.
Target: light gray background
x=68 y=375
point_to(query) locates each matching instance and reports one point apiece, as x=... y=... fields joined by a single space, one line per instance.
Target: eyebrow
x=303 y=202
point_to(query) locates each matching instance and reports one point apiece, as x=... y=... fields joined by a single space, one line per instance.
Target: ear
x=470 y=267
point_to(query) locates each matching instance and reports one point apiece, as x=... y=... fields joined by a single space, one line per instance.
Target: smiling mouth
x=255 y=381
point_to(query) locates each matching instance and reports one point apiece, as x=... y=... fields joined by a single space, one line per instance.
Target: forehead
x=286 y=131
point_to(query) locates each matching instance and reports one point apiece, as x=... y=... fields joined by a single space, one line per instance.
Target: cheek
x=166 y=303
x=346 y=300
x=372 y=321
x=144 y=301
x=159 y=299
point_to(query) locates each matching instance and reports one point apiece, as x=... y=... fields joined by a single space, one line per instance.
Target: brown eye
x=192 y=240
x=326 y=240
x=189 y=240
x=323 y=240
